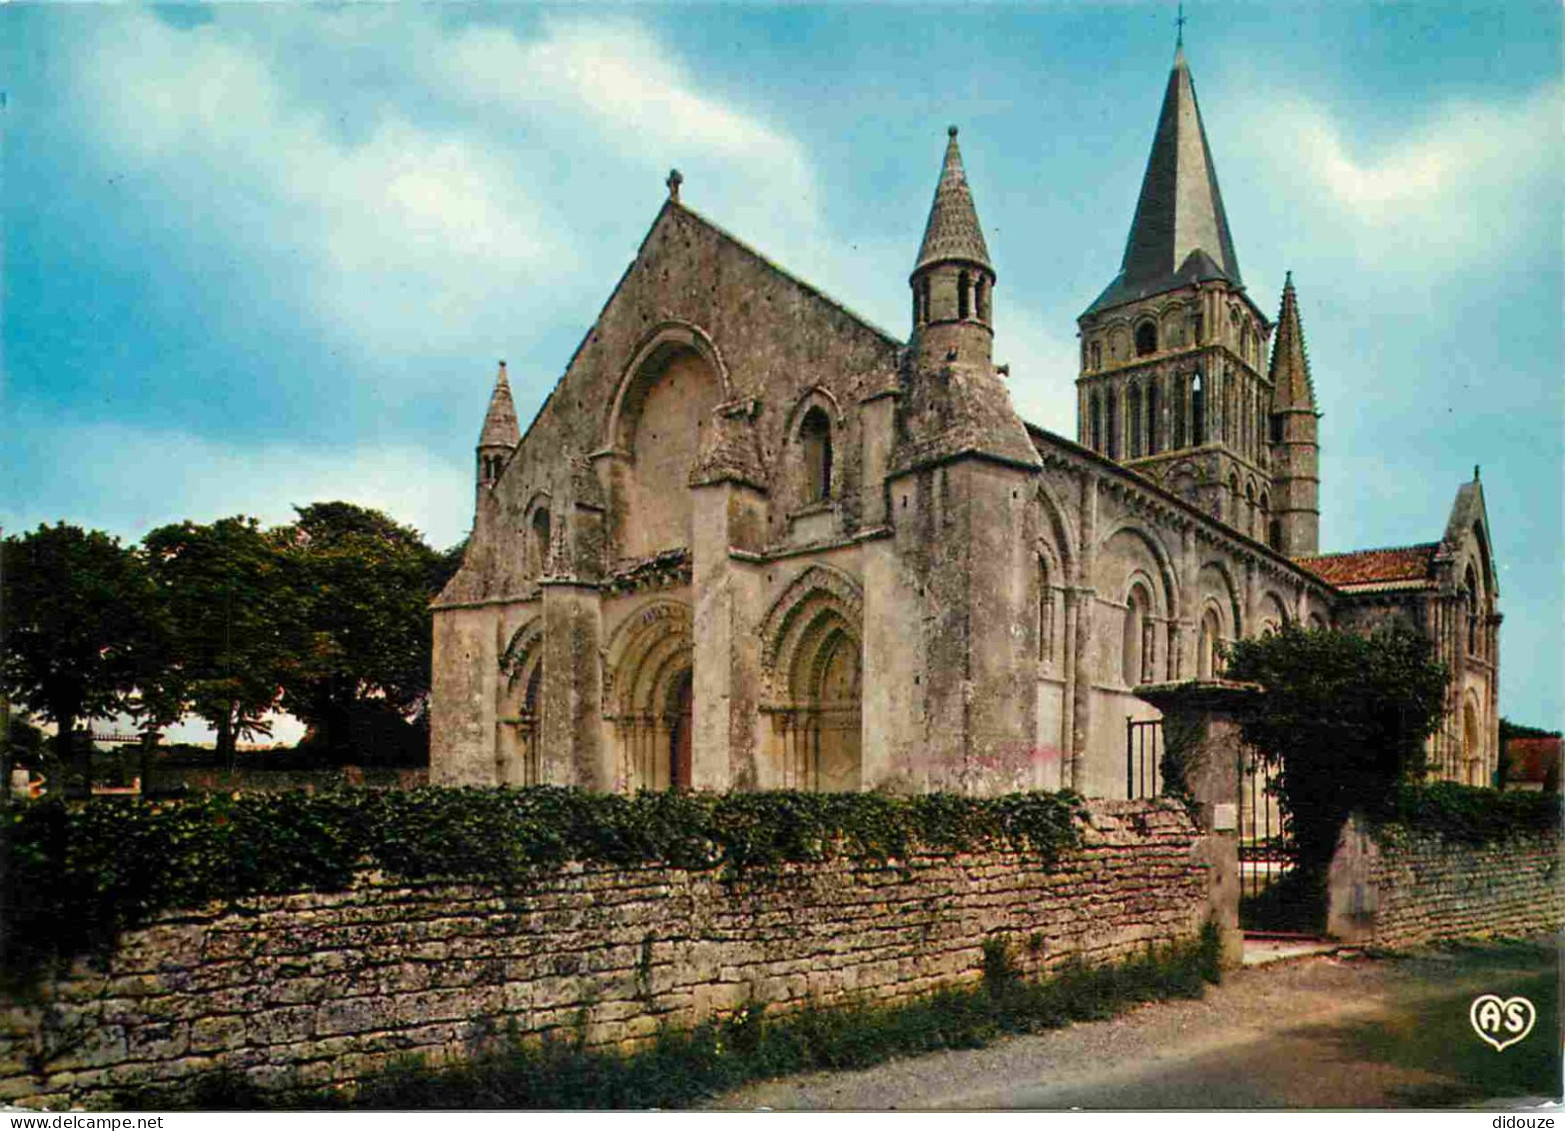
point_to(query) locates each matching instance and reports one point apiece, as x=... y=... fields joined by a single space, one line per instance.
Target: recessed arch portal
x=647 y=695
x=1472 y=770
x=519 y=722
x=812 y=665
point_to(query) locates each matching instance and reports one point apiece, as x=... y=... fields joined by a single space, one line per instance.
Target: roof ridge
x=787 y=274
x=1368 y=550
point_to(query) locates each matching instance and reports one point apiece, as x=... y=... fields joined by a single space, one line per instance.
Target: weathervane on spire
x=1179 y=23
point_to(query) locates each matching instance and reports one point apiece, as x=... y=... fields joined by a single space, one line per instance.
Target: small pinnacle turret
x=500 y=433
x=953 y=233
x=1292 y=386
x=1295 y=432
x=953 y=280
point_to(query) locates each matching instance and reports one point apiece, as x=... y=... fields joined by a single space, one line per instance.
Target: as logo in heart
x=1501 y=1023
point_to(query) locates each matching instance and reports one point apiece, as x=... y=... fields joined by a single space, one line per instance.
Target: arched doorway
x=832 y=717
x=680 y=713
x=1472 y=746
x=812 y=657
x=648 y=696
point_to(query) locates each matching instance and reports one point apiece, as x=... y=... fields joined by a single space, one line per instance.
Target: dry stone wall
x=311 y=990
x=1405 y=888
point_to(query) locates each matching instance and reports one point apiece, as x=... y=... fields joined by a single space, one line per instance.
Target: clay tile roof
x=1374 y=567
x=1532 y=758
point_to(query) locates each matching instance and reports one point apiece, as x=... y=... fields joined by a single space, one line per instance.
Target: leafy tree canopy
x=234 y=621
x=80 y=626
x=1343 y=719
x=364 y=583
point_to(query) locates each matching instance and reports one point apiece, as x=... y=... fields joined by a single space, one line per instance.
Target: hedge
x=79 y=874
x=1472 y=814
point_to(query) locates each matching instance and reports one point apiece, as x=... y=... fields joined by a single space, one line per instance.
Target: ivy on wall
x=1472 y=814
x=79 y=874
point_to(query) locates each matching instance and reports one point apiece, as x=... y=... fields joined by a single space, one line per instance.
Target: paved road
x=1326 y=1031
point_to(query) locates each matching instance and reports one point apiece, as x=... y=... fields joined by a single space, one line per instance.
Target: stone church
x=750 y=541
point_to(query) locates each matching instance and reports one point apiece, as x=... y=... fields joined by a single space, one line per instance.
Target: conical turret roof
x=500 y=427
x=953 y=232
x=1292 y=386
x=1180 y=231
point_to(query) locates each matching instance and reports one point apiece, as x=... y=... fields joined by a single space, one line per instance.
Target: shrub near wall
x=794 y=900
x=1455 y=862
x=80 y=874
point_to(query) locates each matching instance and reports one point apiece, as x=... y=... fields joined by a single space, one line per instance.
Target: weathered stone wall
x=303 y=991
x=1409 y=888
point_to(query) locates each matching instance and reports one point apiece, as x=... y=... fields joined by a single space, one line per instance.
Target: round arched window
x=1146 y=339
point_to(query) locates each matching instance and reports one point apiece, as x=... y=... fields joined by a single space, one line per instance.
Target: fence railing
x=1265 y=845
x=1143 y=756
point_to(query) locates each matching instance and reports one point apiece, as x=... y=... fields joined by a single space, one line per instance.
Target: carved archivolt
x=651 y=648
x=523 y=652
x=817 y=603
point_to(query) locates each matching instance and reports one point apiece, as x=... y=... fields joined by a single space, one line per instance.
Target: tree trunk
x=226 y=752
x=149 y=744
x=75 y=758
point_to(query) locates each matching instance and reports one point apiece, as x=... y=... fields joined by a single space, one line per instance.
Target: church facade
x=750 y=541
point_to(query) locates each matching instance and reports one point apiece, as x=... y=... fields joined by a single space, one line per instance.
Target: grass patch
x=686 y=1067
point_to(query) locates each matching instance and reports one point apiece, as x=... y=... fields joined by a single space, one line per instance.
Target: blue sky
x=264 y=255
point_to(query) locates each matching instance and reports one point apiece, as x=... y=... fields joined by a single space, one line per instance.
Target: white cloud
x=401 y=235
x=1451 y=193
x=409 y=237
x=616 y=98
x=141 y=479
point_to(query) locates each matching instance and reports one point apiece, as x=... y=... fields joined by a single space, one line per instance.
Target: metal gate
x=1265 y=846
x=1143 y=757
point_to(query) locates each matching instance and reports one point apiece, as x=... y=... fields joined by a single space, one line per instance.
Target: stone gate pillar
x=1201 y=752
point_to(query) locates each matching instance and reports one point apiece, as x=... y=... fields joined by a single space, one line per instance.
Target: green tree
x=79 y=611
x=365 y=582
x=232 y=621
x=1343 y=719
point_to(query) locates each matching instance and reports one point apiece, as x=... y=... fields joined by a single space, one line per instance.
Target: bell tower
x=1173 y=351
x=953 y=280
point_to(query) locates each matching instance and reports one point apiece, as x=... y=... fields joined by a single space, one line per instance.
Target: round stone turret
x=953 y=280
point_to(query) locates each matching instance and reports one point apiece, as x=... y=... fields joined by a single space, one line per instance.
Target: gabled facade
x=751 y=541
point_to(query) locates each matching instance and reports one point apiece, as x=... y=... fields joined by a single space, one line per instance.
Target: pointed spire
x=1180 y=231
x=1292 y=385
x=953 y=232
x=500 y=427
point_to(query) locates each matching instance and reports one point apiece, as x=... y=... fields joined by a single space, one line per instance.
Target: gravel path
x=1271 y=1036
